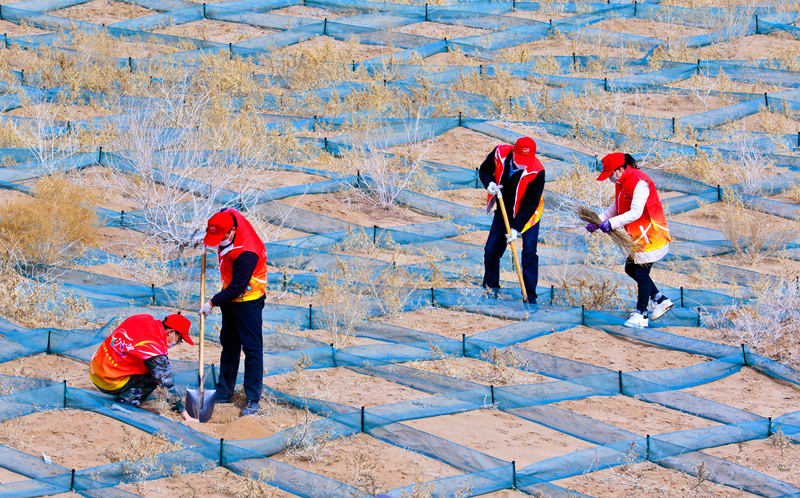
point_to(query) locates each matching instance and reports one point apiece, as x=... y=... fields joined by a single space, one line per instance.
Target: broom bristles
x=619 y=237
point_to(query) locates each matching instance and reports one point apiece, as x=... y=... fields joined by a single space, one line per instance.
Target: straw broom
x=620 y=237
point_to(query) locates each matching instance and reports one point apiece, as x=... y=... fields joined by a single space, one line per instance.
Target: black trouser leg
x=231 y=351
x=646 y=287
x=241 y=331
x=136 y=390
x=493 y=251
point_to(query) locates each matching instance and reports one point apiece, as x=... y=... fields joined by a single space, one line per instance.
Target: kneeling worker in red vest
x=133 y=360
x=637 y=208
x=243 y=269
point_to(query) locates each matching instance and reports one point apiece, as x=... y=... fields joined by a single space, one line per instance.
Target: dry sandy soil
x=78 y=439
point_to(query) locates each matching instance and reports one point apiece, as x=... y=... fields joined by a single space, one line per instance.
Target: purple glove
x=605 y=226
x=591 y=227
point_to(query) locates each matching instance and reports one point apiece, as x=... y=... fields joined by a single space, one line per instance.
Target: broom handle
x=513 y=249
x=202 y=317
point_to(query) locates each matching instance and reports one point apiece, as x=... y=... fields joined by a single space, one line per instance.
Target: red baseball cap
x=525 y=152
x=610 y=163
x=218 y=226
x=181 y=325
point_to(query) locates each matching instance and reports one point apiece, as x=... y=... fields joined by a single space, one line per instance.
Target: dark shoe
x=251 y=408
x=126 y=402
x=221 y=398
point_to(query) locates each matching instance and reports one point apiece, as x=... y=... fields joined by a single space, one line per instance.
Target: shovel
x=513 y=249
x=199 y=402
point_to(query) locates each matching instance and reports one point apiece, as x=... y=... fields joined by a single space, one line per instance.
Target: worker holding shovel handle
x=513 y=176
x=243 y=268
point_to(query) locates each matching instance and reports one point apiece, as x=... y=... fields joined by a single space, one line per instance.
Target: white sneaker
x=636 y=320
x=660 y=308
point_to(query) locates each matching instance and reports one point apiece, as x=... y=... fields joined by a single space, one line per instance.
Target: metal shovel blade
x=200 y=403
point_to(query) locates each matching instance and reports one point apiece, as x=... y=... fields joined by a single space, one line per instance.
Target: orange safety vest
x=650 y=231
x=246 y=239
x=122 y=354
x=528 y=175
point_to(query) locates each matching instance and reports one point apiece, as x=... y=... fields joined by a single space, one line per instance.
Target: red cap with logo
x=610 y=163
x=181 y=325
x=218 y=226
x=524 y=152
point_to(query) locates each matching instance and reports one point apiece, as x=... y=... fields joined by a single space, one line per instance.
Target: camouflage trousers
x=136 y=390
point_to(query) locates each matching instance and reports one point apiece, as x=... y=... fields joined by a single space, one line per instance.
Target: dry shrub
x=701 y=483
x=635 y=474
x=13 y=433
x=711 y=169
x=340 y=292
x=425 y=490
x=317 y=63
x=140 y=455
x=363 y=467
x=250 y=485
x=138 y=447
x=49 y=227
x=500 y=87
x=783 y=444
x=383 y=177
x=580 y=183
x=300 y=383
x=442 y=362
x=593 y=293
x=769 y=325
x=752 y=238
x=505 y=364
x=310 y=444
x=37 y=304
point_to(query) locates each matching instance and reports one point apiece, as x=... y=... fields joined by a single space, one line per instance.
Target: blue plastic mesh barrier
x=376 y=24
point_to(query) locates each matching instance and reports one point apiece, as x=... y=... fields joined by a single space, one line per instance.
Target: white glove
x=493 y=188
x=198 y=239
x=205 y=310
x=511 y=238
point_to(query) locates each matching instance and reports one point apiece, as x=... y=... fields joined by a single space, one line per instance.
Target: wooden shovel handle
x=513 y=248
x=202 y=317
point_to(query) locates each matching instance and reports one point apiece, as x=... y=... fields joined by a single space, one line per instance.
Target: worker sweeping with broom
x=637 y=208
x=133 y=360
x=513 y=176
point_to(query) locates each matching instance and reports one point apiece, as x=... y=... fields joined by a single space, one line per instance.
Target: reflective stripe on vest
x=500 y=155
x=650 y=231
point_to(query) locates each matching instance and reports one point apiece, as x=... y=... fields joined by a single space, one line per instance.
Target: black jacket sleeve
x=529 y=203
x=486 y=171
x=243 y=267
x=161 y=370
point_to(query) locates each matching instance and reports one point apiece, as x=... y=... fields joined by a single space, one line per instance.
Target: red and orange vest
x=246 y=239
x=528 y=175
x=650 y=231
x=122 y=354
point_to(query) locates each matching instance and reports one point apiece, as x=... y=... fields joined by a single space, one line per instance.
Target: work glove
x=512 y=236
x=605 y=226
x=493 y=188
x=205 y=310
x=198 y=239
x=591 y=227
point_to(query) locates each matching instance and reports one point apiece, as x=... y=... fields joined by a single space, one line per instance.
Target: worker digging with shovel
x=243 y=269
x=514 y=176
x=133 y=361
